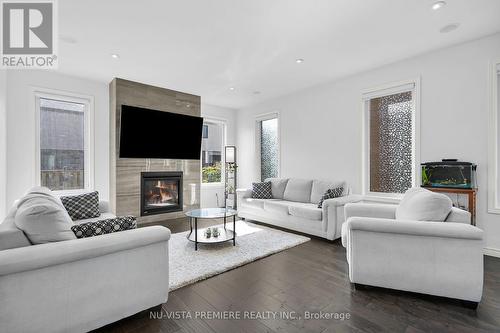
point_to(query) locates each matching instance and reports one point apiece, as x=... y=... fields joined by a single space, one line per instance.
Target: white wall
x=209 y=192
x=321 y=126
x=21 y=127
x=3 y=143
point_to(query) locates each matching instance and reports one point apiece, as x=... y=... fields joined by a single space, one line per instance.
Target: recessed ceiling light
x=256 y=92
x=115 y=56
x=438 y=5
x=299 y=61
x=188 y=105
x=231 y=88
x=449 y=28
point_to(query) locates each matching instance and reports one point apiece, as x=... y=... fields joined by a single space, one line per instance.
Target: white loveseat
x=294 y=206
x=437 y=258
x=80 y=284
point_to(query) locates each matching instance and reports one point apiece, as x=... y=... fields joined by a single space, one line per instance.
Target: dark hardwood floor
x=312 y=277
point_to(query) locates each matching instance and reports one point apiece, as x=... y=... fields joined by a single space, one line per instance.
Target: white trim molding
x=35 y=94
x=493 y=137
x=492 y=252
x=384 y=90
x=258 y=119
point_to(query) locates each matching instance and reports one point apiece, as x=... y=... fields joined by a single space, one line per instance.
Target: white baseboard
x=490 y=251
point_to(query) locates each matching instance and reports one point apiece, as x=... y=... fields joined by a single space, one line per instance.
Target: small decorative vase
x=215 y=232
x=208 y=233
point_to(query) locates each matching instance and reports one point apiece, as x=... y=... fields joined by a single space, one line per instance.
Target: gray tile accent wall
x=125 y=173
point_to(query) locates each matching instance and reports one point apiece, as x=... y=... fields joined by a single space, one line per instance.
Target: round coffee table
x=198 y=236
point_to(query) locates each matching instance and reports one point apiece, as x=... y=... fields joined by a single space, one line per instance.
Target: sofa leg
x=470 y=304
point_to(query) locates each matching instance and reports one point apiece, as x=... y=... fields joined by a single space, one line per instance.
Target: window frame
x=223 y=122
x=258 y=119
x=493 y=137
x=380 y=91
x=36 y=94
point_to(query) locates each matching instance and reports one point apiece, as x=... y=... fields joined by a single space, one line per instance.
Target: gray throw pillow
x=262 y=190
x=82 y=206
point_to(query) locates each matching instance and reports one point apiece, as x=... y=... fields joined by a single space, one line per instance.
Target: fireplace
x=161 y=192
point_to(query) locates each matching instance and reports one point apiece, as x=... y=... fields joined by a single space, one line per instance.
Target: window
x=212 y=146
x=390 y=146
x=64 y=157
x=494 y=139
x=269 y=147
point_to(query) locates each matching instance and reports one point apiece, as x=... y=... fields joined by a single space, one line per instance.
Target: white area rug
x=252 y=242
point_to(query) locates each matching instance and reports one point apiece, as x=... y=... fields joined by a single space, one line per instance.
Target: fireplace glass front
x=161 y=192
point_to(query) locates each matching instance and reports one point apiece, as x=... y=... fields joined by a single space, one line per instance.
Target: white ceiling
x=205 y=47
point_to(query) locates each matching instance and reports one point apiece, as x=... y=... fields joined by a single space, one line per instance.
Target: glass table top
x=211 y=213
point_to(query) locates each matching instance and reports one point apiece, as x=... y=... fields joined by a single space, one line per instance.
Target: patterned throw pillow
x=262 y=190
x=330 y=194
x=102 y=227
x=82 y=206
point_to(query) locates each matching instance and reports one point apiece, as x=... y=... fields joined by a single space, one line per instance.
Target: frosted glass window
x=269 y=149
x=62 y=144
x=391 y=141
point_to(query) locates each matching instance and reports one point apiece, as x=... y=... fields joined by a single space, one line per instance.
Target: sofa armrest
x=375 y=210
x=415 y=228
x=50 y=254
x=104 y=207
x=459 y=215
x=243 y=193
x=333 y=214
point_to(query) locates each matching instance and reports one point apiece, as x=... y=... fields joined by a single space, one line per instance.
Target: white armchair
x=437 y=258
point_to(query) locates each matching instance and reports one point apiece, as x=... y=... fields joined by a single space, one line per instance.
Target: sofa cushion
x=262 y=190
x=331 y=193
x=106 y=226
x=298 y=190
x=278 y=186
x=306 y=211
x=43 y=218
x=82 y=206
x=11 y=236
x=103 y=216
x=319 y=187
x=419 y=204
x=253 y=203
x=276 y=206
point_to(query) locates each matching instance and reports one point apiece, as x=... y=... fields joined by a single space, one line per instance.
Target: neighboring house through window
x=64 y=157
x=212 y=147
x=390 y=147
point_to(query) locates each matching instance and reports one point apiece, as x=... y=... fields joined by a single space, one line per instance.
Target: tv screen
x=148 y=133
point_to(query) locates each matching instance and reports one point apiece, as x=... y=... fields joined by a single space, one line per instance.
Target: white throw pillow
x=43 y=218
x=419 y=204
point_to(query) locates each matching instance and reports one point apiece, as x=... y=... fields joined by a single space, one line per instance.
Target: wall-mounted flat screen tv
x=146 y=133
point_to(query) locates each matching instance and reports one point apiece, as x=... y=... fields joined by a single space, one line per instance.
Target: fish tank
x=449 y=174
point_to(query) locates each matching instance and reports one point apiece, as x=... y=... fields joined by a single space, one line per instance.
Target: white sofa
x=437 y=258
x=295 y=206
x=81 y=284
